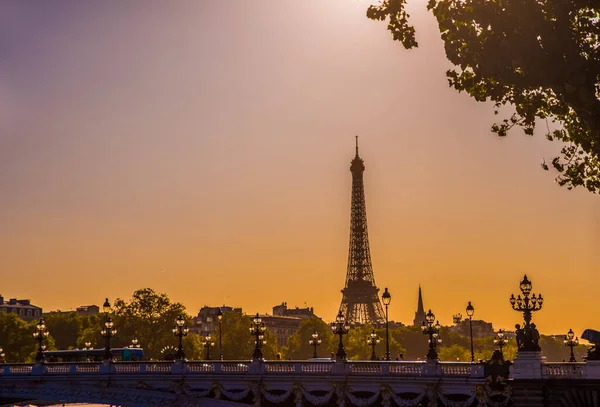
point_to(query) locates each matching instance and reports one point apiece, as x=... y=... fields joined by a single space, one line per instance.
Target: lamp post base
x=527 y=365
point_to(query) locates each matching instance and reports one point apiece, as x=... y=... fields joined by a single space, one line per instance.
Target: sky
x=202 y=148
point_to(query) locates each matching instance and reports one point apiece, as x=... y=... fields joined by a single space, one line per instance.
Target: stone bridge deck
x=293 y=383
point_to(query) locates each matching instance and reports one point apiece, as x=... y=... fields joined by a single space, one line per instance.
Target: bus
x=94 y=355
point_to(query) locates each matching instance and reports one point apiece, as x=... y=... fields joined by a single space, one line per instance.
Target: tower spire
x=360 y=299
x=420 y=314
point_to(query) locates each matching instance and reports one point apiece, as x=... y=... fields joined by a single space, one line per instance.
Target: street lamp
x=528 y=336
x=373 y=340
x=571 y=341
x=386 y=298
x=135 y=343
x=88 y=345
x=431 y=329
x=40 y=334
x=220 y=319
x=470 y=312
x=500 y=340
x=257 y=329
x=180 y=329
x=314 y=341
x=2 y=355
x=341 y=328
x=207 y=343
x=108 y=331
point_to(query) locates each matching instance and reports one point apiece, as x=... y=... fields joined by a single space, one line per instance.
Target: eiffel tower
x=360 y=299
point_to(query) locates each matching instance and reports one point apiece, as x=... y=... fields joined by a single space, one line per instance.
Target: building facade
x=22 y=308
x=207 y=320
x=480 y=328
x=85 y=310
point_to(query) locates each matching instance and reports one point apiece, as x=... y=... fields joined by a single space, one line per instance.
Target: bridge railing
x=354 y=368
x=563 y=370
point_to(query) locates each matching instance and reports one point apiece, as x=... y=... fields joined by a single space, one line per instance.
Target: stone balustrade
x=564 y=370
x=360 y=368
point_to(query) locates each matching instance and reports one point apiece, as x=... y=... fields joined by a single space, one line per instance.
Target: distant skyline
x=203 y=148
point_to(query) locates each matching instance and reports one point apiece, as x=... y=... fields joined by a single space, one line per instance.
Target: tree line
x=149 y=316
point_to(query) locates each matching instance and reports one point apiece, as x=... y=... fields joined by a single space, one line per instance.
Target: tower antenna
x=356 y=145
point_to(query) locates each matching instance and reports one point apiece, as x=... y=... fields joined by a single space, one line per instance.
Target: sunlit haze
x=203 y=149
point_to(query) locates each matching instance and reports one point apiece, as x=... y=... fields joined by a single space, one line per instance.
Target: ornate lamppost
x=40 y=334
x=220 y=319
x=314 y=341
x=386 y=298
x=500 y=340
x=340 y=328
x=87 y=345
x=431 y=329
x=257 y=329
x=470 y=312
x=108 y=331
x=2 y=355
x=528 y=336
x=180 y=329
x=207 y=343
x=571 y=341
x=372 y=341
x=135 y=343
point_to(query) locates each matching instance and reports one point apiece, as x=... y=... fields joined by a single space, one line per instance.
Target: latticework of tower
x=360 y=298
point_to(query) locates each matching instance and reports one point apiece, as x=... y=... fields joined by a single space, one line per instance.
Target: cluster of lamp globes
x=109 y=328
x=258 y=328
x=522 y=304
x=41 y=333
x=500 y=340
x=180 y=327
x=428 y=326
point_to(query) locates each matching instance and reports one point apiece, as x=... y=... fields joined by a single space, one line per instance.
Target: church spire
x=420 y=314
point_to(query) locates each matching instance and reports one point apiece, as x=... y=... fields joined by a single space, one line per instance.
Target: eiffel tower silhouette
x=360 y=299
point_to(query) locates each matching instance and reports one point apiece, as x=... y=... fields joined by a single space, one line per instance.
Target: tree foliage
x=542 y=57
x=148 y=316
x=298 y=346
x=238 y=344
x=16 y=338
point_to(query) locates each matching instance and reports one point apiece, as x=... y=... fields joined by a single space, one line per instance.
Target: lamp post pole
x=387 y=298
x=528 y=336
x=314 y=341
x=571 y=341
x=180 y=329
x=220 y=319
x=470 y=312
x=373 y=340
x=257 y=329
x=40 y=336
x=108 y=331
x=340 y=328
x=431 y=329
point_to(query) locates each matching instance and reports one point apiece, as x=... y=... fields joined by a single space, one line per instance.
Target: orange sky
x=203 y=149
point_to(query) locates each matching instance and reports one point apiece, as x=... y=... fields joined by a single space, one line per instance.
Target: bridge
x=289 y=383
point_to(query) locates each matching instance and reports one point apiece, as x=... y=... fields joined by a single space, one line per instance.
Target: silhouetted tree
x=298 y=347
x=542 y=57
x=149 y=316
